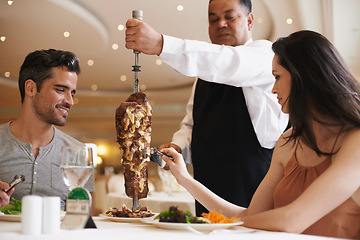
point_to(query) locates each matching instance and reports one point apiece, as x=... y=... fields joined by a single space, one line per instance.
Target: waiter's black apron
x=227 y=156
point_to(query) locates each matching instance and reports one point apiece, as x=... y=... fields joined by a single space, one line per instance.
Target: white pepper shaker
x=51 y=215
x=31 y=215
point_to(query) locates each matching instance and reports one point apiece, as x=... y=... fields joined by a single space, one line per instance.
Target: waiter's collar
x=248 y=41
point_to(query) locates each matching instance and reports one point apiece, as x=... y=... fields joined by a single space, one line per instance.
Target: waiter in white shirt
x=233 y=120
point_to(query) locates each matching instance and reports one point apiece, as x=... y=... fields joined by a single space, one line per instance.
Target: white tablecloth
x=156 y=201
x=116 y=230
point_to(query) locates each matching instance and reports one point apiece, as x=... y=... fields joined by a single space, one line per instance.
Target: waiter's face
x=229 y=22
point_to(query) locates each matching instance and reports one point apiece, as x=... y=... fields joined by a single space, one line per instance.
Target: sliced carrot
x=216 y=217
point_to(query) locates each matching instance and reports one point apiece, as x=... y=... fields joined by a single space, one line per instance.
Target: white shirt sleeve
x=182 y=137
x=241 y=66
x=247 y=66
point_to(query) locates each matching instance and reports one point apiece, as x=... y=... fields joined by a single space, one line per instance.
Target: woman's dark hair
x=246 y=3
x=322 y=88
x=38 y=66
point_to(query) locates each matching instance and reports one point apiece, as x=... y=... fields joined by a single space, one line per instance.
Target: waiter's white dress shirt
x=248 y=66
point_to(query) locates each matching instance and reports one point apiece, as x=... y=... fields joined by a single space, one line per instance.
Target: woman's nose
x=274 y=89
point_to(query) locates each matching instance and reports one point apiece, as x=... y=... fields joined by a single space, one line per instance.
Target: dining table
x=107 y=229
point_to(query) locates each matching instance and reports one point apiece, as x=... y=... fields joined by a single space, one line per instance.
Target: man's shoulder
x=3 y=129
x=3 y=126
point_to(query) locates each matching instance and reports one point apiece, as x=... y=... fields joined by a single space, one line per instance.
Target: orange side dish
x=216 y=217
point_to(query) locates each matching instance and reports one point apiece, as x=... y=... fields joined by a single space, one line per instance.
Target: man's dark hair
x=38 y=66
x=246 y=3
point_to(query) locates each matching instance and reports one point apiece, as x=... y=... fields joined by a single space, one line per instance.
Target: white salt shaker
x=51 y=215
x=31 y=215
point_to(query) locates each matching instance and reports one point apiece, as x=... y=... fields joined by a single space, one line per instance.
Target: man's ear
x=250 y=21
x=30 y=88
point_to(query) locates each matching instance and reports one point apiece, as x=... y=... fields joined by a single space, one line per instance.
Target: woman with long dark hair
x=313 y=184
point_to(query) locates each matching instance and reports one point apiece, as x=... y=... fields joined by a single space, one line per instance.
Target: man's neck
x=37 y=133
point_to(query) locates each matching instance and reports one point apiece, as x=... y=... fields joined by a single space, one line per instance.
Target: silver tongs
x=155 y=150
x=156 y=157
x=17 y=179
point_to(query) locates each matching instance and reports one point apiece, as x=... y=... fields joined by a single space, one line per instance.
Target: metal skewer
x=137 y=14
x=136 y=69
x=136 y=203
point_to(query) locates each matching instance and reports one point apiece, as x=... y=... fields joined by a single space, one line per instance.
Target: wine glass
x=76 y=165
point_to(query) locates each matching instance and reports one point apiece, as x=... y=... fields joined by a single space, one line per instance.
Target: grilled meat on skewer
x=133 y=127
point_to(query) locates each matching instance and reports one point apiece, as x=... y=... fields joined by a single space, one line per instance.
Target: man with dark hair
x=233 y=120
x=31 y=145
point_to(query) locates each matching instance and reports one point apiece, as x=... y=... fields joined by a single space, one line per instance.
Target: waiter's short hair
x=246 y=3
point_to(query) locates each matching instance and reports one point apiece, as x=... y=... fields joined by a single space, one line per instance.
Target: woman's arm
x=207 y=198
x=262 y=200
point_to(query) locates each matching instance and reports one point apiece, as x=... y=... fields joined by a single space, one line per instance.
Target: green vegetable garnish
x=178 y=216
x=17 y=203
x=13 y=208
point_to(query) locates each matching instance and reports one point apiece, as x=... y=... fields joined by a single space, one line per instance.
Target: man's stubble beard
x=46 y=112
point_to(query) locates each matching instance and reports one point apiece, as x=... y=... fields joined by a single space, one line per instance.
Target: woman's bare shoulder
x=349 y=145
x=352 y=135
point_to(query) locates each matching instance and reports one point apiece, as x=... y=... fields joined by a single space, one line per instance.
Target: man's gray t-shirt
x=43 y=175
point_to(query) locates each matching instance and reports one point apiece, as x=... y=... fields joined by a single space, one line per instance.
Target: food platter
x=126 y=219
x=17 y=218
x=10 y=218
x=196 y=226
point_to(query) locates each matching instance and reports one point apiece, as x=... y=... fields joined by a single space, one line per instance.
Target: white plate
x=126 y=219
x=17 y=218
x=196 y=226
